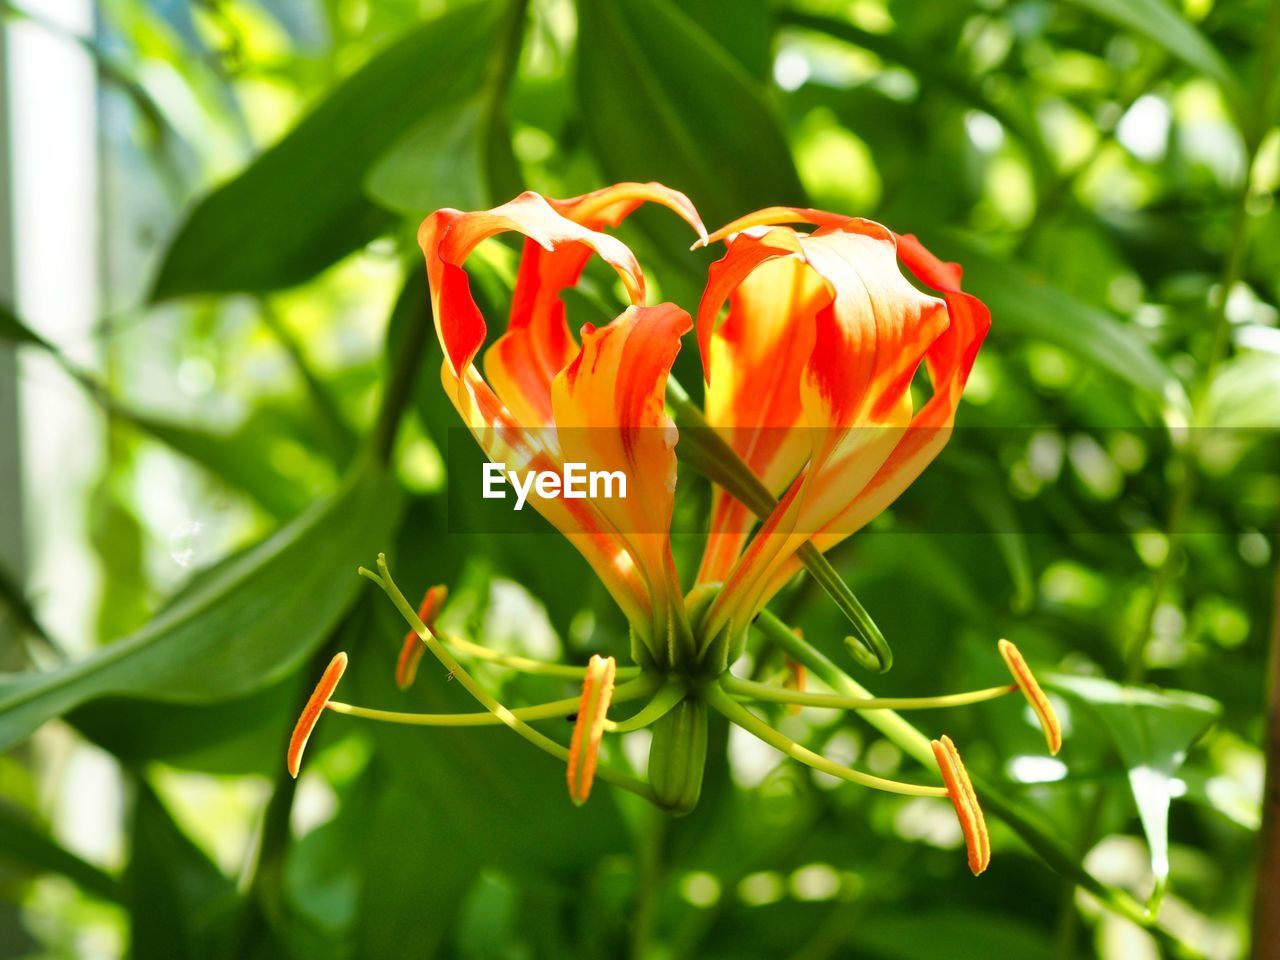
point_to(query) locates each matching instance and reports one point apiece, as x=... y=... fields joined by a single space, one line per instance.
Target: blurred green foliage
x=1106 y=172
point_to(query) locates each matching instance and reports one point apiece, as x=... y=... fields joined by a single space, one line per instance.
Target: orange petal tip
x=1031 y=689
x=588 y=729
x=965 y=800
x=311 y=712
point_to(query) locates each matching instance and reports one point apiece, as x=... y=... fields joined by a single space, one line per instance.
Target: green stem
x=485 y=699
x=663 y=702
x=552 y=710
x=910 y=740
x=774 y=694
x=735 y=713
x=524 y=664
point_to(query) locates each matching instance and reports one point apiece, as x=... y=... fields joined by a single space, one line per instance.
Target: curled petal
x=819 y=356
x=448 y=237
x=311 y=712
x=774 y=216
x=588 y=729
x=1030 y=688
x=609 y=206
x=524 y=361
x=949 y=361
x=965 y=800
x=509 y=418
x=411 y=650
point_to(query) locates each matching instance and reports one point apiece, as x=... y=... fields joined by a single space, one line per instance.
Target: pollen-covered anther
x=588 y=729
x=1035 y=695
x=412 y=649
x=965 y=800
x=311 y=712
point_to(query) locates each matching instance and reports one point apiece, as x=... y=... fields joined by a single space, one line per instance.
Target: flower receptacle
x=678 y=756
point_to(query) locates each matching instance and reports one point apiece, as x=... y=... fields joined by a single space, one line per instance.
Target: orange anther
x=1035 y=696
x=412 y=648
x=311 y=712
x=965 y=800
x=588 y=730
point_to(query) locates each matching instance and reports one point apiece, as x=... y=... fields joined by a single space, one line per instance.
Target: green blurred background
x=216 y=321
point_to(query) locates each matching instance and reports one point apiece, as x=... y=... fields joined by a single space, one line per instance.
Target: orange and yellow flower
x=835 y=353
x=809 y=380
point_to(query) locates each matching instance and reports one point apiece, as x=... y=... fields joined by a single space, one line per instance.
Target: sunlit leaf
x=300 y=206
x=1245 y=393
x=1152 y=730
x=440 y=162
x=662 y=100
x=241 y=458
x=248 y=626
x=1159 y=22
x=1030 y=306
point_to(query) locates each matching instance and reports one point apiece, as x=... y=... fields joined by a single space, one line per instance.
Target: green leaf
x=459 y=155
x=240 y=458
x=1152 y=730
x=938 y=934
x=435 y=866
x=1030 y=306
x=939 y=70
x=239 y=736
x=251 y=624
x=440 y=162
x=300 y=206
x=1160 y=23
x=662 y=100
x=28 y=847
x=180 y=904
x=745 y=30
x=15 y=331
x=1245 y=393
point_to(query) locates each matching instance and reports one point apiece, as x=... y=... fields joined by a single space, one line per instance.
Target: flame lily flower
x=828 y=320
x=546 y=401
x=810 y=378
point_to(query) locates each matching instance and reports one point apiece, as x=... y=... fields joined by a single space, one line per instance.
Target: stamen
x=795 y=681
x=1035 y=695
x=588 y=730
x=775 y=694
x=388 y=586
x=523 y=664
x=551 y=710
x=965 y=800
x=311 y=712
x=664 y=701
x=735 y=713
x=412 y=649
